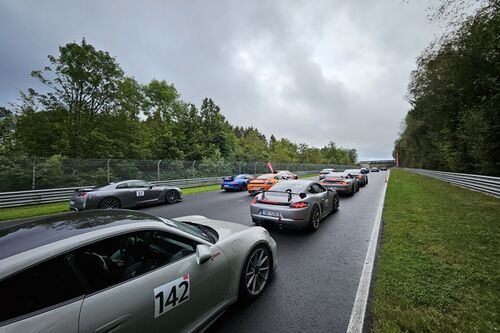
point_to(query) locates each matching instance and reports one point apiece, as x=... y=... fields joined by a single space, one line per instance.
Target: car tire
x=110 y=203
x=244 y=187
x=336 y=204
x=256 y=273
x=352 y=191
x=314 y=219
x=171 y=197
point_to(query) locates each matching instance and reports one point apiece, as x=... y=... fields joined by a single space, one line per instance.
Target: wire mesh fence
x=19 y=174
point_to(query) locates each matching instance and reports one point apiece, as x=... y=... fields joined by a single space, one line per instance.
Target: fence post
x=194 y=162
x=239 y=167
x=255 y=168
x=107 y=167
x=158 y=169
x=33 y=181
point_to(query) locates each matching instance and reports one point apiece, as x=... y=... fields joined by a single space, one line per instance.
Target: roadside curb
x=358 y=314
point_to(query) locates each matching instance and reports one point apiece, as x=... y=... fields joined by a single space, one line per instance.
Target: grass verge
x=438 y=268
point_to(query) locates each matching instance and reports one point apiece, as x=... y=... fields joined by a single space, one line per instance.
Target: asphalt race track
x=315 y=285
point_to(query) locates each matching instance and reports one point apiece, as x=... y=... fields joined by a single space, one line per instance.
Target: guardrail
x=486 y=184
x=52 y=195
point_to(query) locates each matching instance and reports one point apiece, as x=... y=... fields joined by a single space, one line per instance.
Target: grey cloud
x=312 y=71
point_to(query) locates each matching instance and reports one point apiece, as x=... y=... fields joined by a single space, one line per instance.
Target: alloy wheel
x=257 y=271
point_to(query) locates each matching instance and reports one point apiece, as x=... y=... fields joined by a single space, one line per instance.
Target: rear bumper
x=292 y=218
x=340 y=188
x=231 y=186
x=254 y=188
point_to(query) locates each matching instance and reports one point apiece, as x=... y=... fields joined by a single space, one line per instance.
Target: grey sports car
x=127 y=271
x=341 y=182
x=295 y=204
x=124 y=194
x=359 y=175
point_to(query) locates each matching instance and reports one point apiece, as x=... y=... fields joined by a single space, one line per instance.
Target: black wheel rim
x=315 y=218
x=172 y=197
x=110 y=203
x=257 y=271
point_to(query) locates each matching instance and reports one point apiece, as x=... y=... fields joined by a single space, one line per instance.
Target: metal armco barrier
x=486 y=184
x=25 y=198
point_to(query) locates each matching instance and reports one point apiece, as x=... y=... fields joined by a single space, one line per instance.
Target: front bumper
x=297 y=218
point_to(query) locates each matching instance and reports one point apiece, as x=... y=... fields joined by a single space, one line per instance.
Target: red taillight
x=82 y=195
x=300 y=204
x=268 y=182
x=359 y=177
x=254 y=200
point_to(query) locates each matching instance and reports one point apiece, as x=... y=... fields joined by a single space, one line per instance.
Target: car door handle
x=109 y=327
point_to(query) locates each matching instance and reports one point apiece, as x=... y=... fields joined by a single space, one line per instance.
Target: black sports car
x=124 y=194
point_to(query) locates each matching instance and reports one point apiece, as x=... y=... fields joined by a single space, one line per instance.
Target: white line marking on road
x=360 y=303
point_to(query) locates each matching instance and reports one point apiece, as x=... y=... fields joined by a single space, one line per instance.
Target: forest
x=454 y=119
x=92 y=123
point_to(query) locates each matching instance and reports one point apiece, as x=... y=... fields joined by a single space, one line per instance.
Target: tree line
x=91 y=109
x=454 y=120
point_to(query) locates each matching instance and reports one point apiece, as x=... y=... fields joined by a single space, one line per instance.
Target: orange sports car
x=264 y=181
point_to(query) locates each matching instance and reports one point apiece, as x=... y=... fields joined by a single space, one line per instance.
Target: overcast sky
x=311 y=71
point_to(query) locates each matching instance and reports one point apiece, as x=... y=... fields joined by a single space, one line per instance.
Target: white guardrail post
x=485 y=184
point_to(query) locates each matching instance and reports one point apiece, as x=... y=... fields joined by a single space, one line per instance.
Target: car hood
x=223 y=228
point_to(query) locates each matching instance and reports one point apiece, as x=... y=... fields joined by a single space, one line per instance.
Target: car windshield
x=289 y=185
x=353 y=171
x=239 y=177
x=197 y=230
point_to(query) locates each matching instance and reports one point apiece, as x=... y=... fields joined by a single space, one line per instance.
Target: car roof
x=26 y=235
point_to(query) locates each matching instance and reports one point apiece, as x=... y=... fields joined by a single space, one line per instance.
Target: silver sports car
x=124 y=194
x=341 y=182
x=126 y=271
x=295 y=204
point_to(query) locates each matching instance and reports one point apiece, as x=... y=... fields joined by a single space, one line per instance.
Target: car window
x=121 y=258
x=278 y=177
x=138 y=183
x=318 y=188
x=44 y=285
x=312 y=190
x=122 y=185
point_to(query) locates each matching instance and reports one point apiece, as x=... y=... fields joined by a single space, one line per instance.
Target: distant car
x=264 y=181
x=324 y=172
x=297 y=204
x=287 y=174
x=127 y=271
x=365 y=170
x=123 y=194
x=236 y=183
x=383 y=169
x=359 y=175
x=374 y=170
x=341 y=182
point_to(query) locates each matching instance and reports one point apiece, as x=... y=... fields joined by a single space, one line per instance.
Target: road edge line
x=358 y=314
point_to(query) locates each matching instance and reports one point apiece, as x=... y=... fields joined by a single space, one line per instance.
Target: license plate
x=71 y=202
x=256 y=189
x=270 y=213
x=226 y=185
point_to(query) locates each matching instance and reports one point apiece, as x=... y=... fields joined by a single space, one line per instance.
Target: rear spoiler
x=302 y=195
x=84 y=189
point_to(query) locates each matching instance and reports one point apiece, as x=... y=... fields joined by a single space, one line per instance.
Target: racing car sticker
x=139 y=193
x=171 y=295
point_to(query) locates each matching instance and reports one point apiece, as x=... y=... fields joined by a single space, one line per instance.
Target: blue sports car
x=236 y=183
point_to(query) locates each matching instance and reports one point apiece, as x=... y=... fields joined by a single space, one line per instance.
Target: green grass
x=200 y=189
x=31 y=211
x=439 y=264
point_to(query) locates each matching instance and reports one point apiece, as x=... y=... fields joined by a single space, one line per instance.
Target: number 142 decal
x=171 y=294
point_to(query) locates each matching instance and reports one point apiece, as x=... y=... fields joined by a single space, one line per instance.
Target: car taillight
x=300 y=204
x=268 y=182
x=254 y=200
x=83 y=195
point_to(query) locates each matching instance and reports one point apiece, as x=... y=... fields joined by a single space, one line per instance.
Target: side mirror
x=150 y=187
x=203 y=253
x=302 y=195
